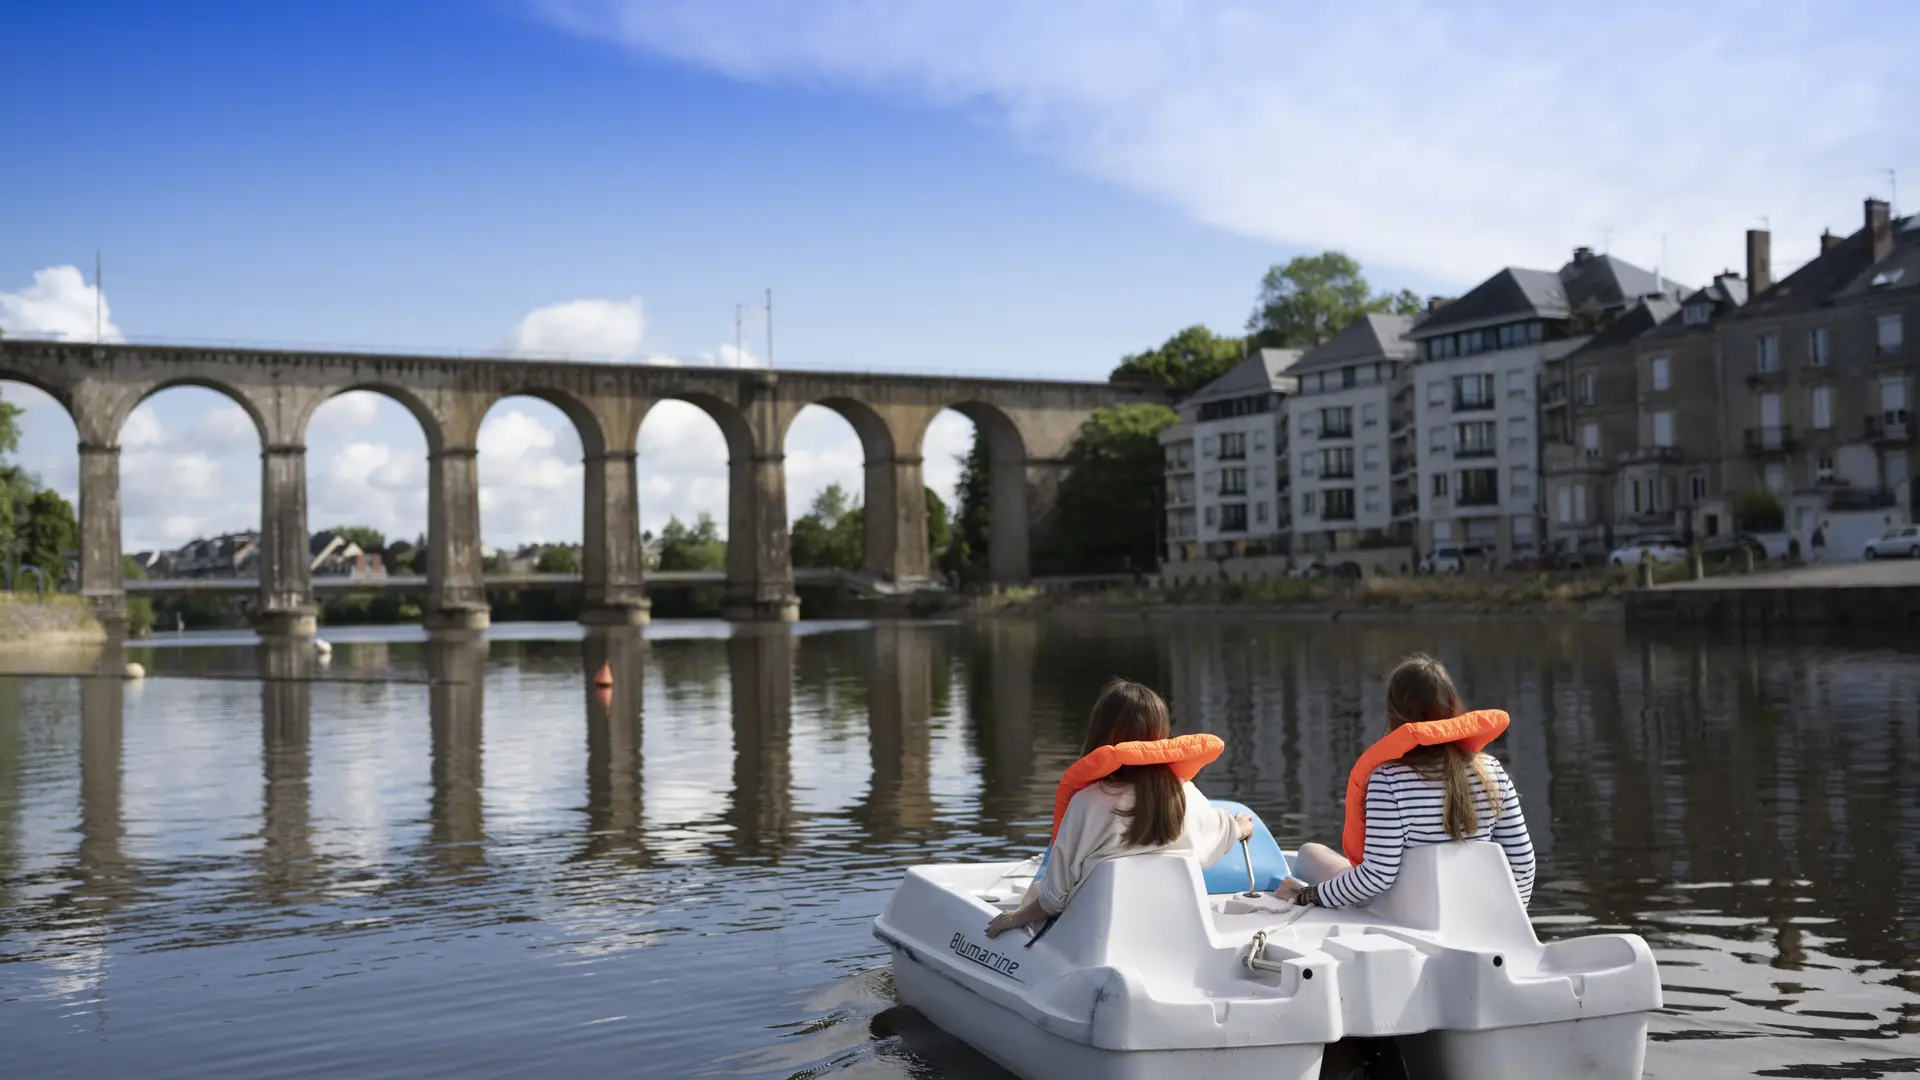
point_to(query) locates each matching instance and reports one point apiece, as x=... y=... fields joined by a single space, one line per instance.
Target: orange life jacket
x=1473 y=731
x=1187 y=754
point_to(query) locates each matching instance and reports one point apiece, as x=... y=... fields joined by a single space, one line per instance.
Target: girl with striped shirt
x=1431 y=795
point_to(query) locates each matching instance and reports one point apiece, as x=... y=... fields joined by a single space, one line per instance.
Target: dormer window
x=1697 y=313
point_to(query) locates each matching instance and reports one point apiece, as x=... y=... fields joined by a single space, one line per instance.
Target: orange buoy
x=605 y=678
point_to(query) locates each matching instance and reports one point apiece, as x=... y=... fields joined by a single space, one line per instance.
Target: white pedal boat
x=1147 y=975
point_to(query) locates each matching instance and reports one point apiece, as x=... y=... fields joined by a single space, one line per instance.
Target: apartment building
x=1816 y=377
x=1466 y=438
x=1226 y=464
x=1341 y=460
x=1590 y=422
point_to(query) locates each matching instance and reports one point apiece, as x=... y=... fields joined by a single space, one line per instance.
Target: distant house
x=332 y=554
x=231 y=555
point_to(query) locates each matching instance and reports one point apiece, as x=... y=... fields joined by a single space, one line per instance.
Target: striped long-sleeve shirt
x=1404 y=810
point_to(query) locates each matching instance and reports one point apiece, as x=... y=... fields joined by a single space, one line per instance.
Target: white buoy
x=135 y=671
x=320 y=646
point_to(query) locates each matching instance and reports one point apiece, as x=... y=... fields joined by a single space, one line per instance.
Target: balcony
x=1337 y=473
x=1337 y=513
x=1404 y=463
x=1467 y=453
x=1553 y=395
x=1407 y=507
x=1472 y=499
x=1474 y=403
x=1774 y=376
x=1771 y=440
x=1890 y=426
x=1665 y=455
x=1336 y=432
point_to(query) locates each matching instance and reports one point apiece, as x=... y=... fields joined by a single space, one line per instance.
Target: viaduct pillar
x=286 y=592
x=100 y=535
x=456 y=582
x=896 y=520
x=615 y=590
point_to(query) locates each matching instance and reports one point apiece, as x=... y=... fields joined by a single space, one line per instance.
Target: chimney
x=1828 y=241
x=1879 y=229
x=1435 y=303
x=1582 y=256
x=1759 y=261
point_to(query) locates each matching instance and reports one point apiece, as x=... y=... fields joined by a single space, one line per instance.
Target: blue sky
x=985 y=187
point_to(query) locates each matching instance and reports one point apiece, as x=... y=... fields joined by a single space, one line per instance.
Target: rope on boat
x=1256 y=959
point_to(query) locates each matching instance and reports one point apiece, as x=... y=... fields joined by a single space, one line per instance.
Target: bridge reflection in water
x=452 y=812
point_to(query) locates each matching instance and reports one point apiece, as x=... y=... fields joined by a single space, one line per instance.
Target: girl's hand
x=1289 y=889
x=1243 y=826
x=1001 y=923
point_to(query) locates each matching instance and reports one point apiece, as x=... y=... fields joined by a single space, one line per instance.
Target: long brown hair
x=1129 y=712
x=1420 y=690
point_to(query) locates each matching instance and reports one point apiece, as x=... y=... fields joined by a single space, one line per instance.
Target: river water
x=456 y=858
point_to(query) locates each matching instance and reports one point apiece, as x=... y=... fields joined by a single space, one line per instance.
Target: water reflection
x=456 y=692
x=682 y=863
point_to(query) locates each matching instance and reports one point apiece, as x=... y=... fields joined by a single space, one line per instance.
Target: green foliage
x=831 y=534
x=939 y=532
x=370 y=539
x=557 y=560
x=9 y=426
x=1187 y=361
x=140 y=616
x=695 y=547
x=49 y=533
x=1756 y=510
x=1307 y=301
x=1109 y=508
x=966 y=552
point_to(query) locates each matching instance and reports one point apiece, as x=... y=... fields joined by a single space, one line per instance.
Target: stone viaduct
x=1027 y=426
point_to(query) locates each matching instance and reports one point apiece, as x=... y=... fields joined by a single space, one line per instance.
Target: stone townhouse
x=1816 y=378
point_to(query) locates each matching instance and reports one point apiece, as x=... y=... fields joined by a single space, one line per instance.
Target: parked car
x=1725 y=548
x=1444 y=560
x=1661 y=548
x=1897 y=543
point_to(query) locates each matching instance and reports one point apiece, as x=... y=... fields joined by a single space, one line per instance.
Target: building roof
x=1517 y=293
x=1265 y=371
x=1644 y=316
x=1844 y=272
x=1371 y=337
x=1727 y=293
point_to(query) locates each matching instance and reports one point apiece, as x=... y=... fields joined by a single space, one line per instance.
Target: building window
x=1440 y=485
x=1661 y=376
x=1369 y=415
x=1370 y=457
x=1663 y=429
x=1823 y=407
x=1373 y=500
x=1233 y=446
x=1522 y=481
x=1336 y=423
x=1259 y=439
x=1583 y=388
x=1893 y=398
x=1823 y=468
x=1474 y=440
x=1213 y=516
x=1590 y=439
x=1517 y=431
x=1766 y=356
x=1565 y=501
x=1210 y=446
x=1260 y=513
x=1233 y=517
x=1517 y=383
x=1339 y=505
x=1348 y=377
x=1472 y=392
x=1479 y=487
x=1437 y=440
x=1776 y=478
x=1817 y=346
x=1891 y=334
x=1307 y=502
x=1233 y=481
x=1336 y=463
x=1437 y=394
x=1209 y=481
x=1697 y=313
x=1697 y=487
x=1260 y=478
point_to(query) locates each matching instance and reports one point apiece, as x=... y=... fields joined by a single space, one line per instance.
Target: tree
x=831 y=534
x=1108 y=514
x=370 y=539
x=49 y=534
x=1307 y=301
x=139 y=609
x=1187 y=361
x=938 y=533
x=966 y=553
x=557 y=560
x=696 y=547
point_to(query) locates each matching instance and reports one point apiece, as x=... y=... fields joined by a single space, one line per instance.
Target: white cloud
x=59 y=304
x=531 y=478
x=344 y=415
x=948 y=439
x=583 y=330
x=1429 y=135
